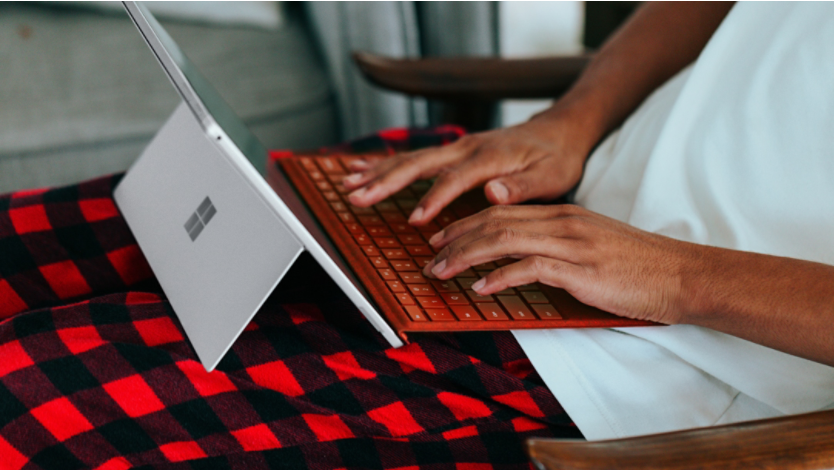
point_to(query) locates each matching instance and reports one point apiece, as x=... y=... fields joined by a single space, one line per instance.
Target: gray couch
x=81 y=94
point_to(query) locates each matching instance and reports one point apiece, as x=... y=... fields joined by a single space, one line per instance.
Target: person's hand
x=600 y=261
x=540 y=159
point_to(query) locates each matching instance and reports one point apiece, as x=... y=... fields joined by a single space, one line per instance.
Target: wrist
x=572 y=126
x=701 y=279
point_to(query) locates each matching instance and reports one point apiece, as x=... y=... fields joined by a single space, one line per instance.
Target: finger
x=505 y=243
x=365 y=163
x=408 y=168
x=452 y=184
x=553 y=272
x=533 y=183
x=461 y=227
x=356 y=180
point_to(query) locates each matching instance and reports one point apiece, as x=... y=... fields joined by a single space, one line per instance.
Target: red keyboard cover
x=388 y=255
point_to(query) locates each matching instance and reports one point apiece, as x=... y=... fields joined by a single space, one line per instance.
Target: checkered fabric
x=95 y=371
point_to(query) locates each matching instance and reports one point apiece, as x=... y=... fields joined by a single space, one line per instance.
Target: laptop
x=219 y=238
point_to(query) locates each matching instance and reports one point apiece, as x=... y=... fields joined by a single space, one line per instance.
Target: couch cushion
x=81 y=93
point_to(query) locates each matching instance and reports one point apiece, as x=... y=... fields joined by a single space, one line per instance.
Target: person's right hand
x=541 y=159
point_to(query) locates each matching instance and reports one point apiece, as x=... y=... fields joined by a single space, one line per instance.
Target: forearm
x=783 y=303
x=655 y=44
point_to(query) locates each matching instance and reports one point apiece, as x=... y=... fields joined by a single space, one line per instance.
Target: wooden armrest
x=801 y=442
x=473 y=79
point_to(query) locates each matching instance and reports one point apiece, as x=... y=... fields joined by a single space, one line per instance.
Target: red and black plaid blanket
x=95 y=371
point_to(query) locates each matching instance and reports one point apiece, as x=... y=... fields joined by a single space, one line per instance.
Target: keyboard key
x=402 y=228
x=316 y=175
x=379 y=262
x=445 y=221
x=419 y=250
x=395 y=253
x=546 y=312
x=363 y=239
x=415 y=313
x=465 y=313
x=492 y=311
x=421 y=290
x=331 y=196
x=340 y=188
x=362 y=210
x=370 y=220
x=346 y=217
x=431 y=302
x=406 y=204
x=371 y=250
x=388 y=274
x=386 y=242
x=439 y=314
x=430 y=227
x=379 y=232
x=527 y=287
x=347 y=160
x=535 y=297
x=455 y=298
x=330 y=165
x=476 y=297
x=354 y=228
x=396 y=286
x=410 y=239
x=324 y=186
x=339 y=206
x=336 y=178
x=403 y=265
x=507 y=291
x=394 y=217
x=308 y=164
x=466 y=282
x=413 y=278
x=445 y=286
x=423 y=261
x=405 y=299
x=386 y=206
x=482 y=273
x=504 y=262
x=467 y=273
x=515 y=307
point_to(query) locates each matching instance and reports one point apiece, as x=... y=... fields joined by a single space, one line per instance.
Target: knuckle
x=573 y=225
x=571 y=209
x=506 y=236
x=495 y=212
x=491 y=226
x=537 y=263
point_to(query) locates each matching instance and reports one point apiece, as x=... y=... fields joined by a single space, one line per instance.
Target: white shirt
x=736 y=151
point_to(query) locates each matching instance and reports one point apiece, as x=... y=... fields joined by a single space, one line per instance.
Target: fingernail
x=479 y=284
x=499 y=191
x=416 y=216
x=430 y=265
x=358 y=193
x=435 y=239
x=352 y=179
x=439 y=268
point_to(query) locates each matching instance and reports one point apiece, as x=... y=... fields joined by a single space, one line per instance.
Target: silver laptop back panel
x=216 y=235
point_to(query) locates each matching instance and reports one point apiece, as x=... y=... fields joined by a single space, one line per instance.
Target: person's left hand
x=600 y=261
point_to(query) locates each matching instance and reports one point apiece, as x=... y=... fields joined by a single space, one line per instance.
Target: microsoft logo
x=200 y=218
